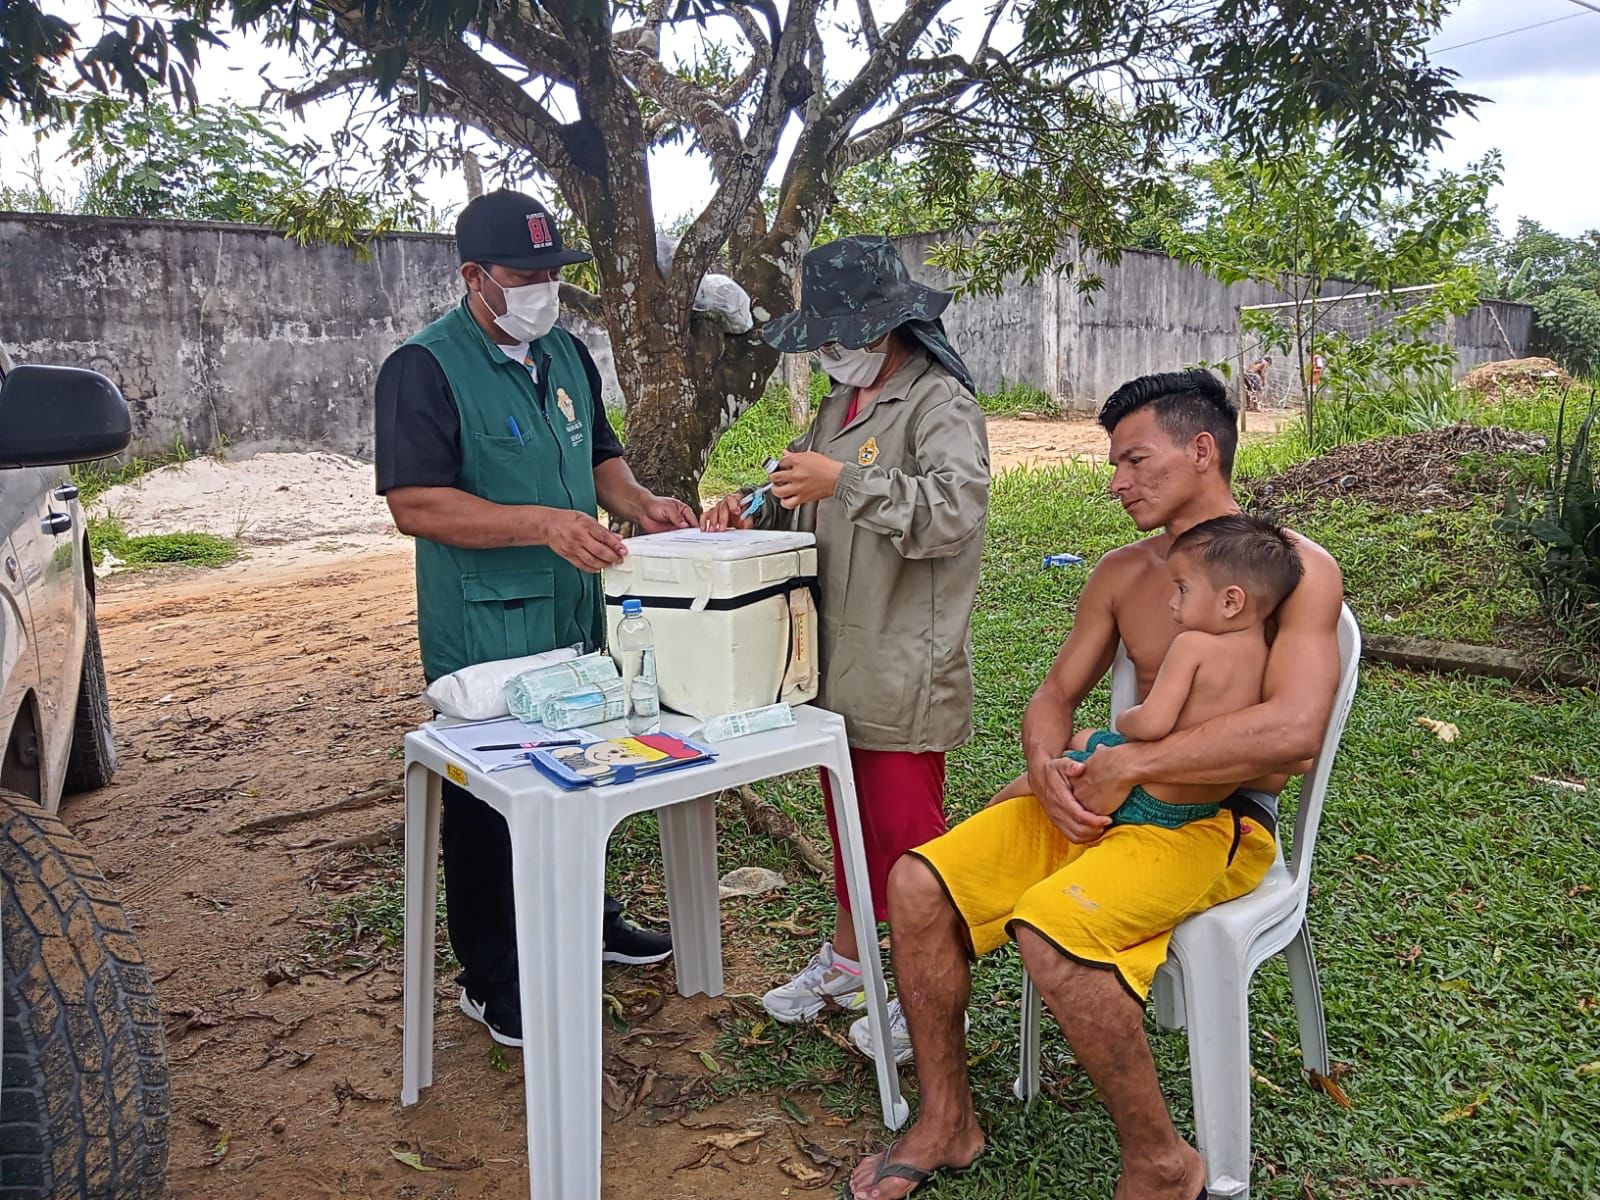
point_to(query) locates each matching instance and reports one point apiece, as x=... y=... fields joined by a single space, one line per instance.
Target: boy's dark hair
x=1242 y=548
x=1185 y=403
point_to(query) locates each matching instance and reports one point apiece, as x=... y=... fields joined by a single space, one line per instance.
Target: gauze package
x=478 y=693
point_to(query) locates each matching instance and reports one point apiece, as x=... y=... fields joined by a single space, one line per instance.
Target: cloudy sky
x=1538 y=61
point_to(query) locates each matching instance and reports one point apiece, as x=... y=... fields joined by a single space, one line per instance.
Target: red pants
x=901 y=799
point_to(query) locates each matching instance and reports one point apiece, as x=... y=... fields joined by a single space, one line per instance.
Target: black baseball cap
x=513 y=230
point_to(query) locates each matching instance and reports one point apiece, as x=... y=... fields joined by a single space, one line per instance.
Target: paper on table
x=460 y=738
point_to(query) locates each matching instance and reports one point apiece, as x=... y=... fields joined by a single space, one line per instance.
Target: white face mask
x=854 y=368
x=531 y=311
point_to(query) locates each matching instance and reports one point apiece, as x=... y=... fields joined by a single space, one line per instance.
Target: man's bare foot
x=1182 y=1176
x=923 y=1147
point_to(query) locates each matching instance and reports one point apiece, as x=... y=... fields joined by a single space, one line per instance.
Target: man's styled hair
x=1243 y=549
x=1185 y=403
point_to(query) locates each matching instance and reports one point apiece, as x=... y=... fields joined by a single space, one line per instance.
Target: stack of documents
x=500 y=744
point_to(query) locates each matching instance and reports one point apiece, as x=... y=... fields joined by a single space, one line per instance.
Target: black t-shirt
x=418 y=426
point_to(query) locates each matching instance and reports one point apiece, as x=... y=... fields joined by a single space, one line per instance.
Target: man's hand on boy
x=1055 y=787
x=1102 y=784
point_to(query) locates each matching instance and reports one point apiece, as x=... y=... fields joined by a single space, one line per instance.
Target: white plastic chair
x=1205 y=982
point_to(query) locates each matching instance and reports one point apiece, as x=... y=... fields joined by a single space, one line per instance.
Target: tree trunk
x=797 y=377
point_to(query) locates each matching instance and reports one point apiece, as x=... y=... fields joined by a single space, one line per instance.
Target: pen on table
x=515 y=432
x=529 y=745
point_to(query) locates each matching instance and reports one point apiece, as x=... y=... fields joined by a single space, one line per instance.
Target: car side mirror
x=55 y=415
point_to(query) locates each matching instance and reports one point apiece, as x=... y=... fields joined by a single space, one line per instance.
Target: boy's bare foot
x=922 y=1147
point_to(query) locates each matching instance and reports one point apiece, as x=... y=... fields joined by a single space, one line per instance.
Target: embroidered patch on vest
x=868 y=454
x=564 y=403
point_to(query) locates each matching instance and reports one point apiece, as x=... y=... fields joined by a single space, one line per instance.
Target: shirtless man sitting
x=1092 y=904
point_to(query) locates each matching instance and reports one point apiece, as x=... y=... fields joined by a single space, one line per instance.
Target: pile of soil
x=1415 y=472
x=1515 y=377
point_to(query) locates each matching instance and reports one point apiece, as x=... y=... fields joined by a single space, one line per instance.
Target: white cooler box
x=734 y=616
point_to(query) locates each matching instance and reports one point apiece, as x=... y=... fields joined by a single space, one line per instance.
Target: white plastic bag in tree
x=718 y=295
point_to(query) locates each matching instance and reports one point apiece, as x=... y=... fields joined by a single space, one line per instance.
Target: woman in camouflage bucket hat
x=893 y=477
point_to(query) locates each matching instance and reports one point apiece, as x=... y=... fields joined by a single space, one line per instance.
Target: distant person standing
x=493 y=450
x=1255 y=382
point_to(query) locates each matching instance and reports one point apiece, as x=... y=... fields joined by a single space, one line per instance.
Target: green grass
x=763 y=430
x=159 y=549
x=1014 y=398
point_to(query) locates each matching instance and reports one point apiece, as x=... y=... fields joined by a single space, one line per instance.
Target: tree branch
x=688 y=102
x=740 y=187
x=335 y=82
x=885 y=63
x=869 y=24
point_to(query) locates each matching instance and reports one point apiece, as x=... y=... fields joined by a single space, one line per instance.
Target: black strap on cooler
x=728 y=603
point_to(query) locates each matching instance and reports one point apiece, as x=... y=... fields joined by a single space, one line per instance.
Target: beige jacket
x=899 y=545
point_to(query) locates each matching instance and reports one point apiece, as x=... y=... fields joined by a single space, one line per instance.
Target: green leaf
x=410 y=1158
x=710 y=1064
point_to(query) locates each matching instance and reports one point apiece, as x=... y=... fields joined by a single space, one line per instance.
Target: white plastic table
x=558 y=849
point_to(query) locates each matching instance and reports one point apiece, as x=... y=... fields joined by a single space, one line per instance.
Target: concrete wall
x=1153 y=313
x=231 y=334
x=223 y=333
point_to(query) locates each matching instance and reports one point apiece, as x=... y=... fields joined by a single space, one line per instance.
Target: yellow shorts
x=1113 y=903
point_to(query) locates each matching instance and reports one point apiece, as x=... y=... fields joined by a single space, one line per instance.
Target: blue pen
x=515 y=432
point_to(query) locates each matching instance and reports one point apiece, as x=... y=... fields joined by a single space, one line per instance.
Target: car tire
x=92 y=761
x=84 y=1093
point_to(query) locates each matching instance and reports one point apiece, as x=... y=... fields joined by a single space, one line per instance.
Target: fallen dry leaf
x=1442 y=730
x=1399 y=1181
x=612 y=1092
x=804 y=1173
x=1570 y=784
x=1264 y=1081
x=220 y=1150
x=813 y=1151
x=1411 y=956
x=1590 y=1068
x=727 y=1141
x=1331 y=1087
x=1465 y=1110
x=700 y=1160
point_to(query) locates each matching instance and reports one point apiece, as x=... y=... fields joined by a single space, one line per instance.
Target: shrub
x=1558 y=530
x=1568 y=321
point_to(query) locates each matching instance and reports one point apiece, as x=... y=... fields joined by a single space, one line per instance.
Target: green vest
x=520 y=444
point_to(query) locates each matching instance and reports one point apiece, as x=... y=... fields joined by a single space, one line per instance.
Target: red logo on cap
x=539 y=231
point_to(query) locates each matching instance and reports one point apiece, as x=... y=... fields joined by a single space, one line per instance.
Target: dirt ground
x=1014 y=443
x=251 y=692
x=286 y=681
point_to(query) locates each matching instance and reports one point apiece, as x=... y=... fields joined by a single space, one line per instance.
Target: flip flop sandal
x=893 y=1170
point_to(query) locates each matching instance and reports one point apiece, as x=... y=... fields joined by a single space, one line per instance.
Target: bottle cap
x=632 y=608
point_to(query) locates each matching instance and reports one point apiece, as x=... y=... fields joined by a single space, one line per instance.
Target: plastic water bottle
x=636 y=649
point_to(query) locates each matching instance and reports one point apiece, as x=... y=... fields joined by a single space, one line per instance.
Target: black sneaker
x=500 y=1015
x=625 y=943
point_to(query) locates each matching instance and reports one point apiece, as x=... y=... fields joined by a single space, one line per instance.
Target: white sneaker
x=899 y=1035
x=824 y=985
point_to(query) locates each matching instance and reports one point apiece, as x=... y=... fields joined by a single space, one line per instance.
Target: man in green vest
x=493 y=450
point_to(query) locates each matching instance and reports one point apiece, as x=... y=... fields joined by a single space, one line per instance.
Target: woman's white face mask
x=853 y=368
x=531 y=311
